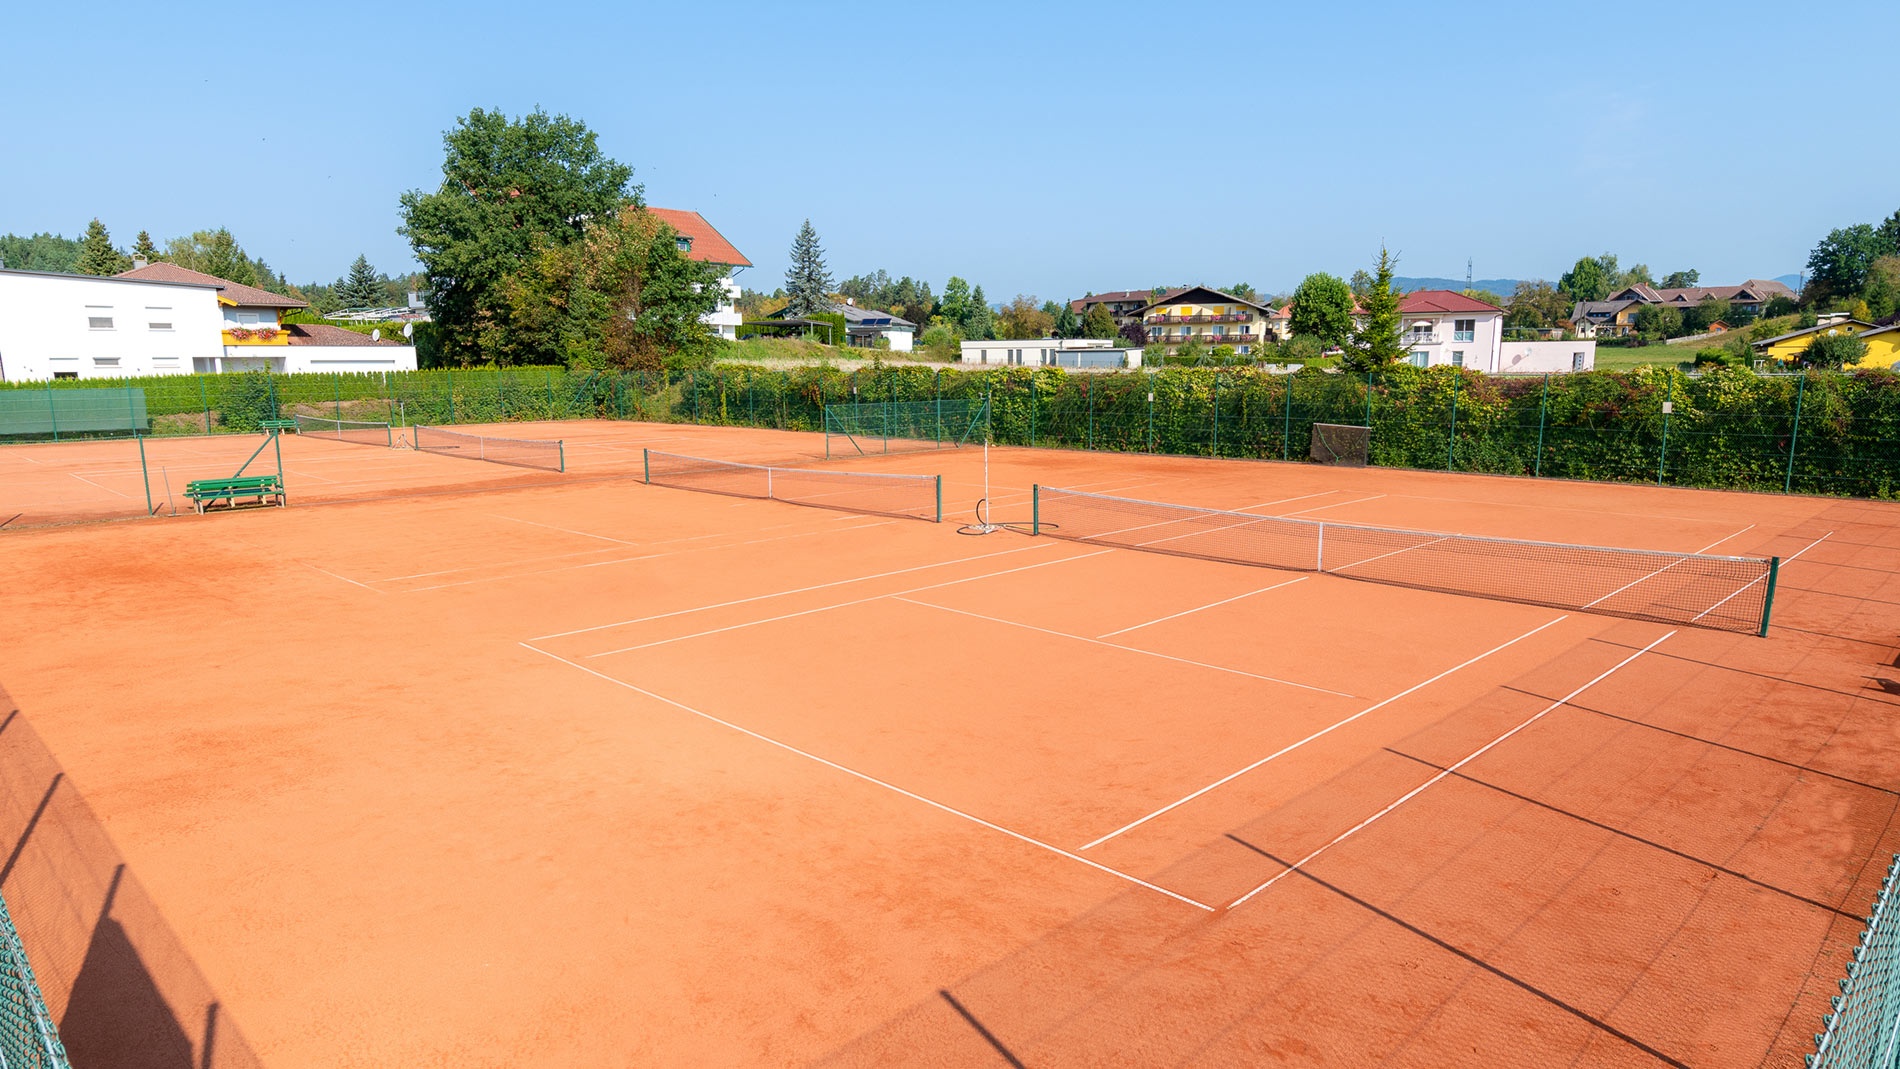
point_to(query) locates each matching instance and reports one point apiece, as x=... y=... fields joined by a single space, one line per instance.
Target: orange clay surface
x=452 y=765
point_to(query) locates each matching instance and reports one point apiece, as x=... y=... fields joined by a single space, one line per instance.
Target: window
x=1576 y=361
x=159 y=324
x=685 y=243
x=1420 y=359
x=1457 y=358
x=65 y=374
x=247 y=318
x=1464 y=330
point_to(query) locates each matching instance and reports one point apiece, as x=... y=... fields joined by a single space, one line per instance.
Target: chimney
x=138 y=262
x=415 y=299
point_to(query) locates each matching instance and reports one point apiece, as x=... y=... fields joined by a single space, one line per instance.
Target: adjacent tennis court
x=644 y=761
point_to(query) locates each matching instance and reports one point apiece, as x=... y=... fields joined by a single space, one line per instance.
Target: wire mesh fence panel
x=1725 y=593
x=55 y=415
x=343 y=430
x=1863 y=1029
x=878 y=493
x=519 y=452
x=28 y=1038
x=903 y=426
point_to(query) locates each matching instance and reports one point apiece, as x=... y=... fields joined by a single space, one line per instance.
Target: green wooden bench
x=261 y=488
x=277 y=424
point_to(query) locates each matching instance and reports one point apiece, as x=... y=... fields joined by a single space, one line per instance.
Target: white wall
x=900 y=340
x=1480 y=353
x=1538 y=357
x=725 y=318
x=45 y=328
x=293 y=359
x=1042 y=352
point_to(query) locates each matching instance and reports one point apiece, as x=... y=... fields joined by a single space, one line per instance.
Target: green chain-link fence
x=1862 y=1029
x=28 y=1039
x=1818 y=432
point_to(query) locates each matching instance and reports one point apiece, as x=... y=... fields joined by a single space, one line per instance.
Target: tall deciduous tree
x=1838 y=265
x=96 y=254
x=1536 y=303
x=1676 y=280
x=361 y=288
x=511 y=188
x=1587 y=280
x=1021 y=318
x=1322 y=308
x=955 y=305
x=1377 y=344
x=807 y=280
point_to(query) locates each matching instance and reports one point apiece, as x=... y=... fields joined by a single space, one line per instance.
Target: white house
x=55 y=326
x=698 y=240
x=1073 y=353
x=1540 y=357
x=1447 y=327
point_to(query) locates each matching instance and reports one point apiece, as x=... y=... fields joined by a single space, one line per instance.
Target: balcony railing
x=1421 y=337
x=1231 y=317
x=1159 y=338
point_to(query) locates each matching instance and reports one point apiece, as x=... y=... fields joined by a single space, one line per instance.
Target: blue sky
x=1047 y=149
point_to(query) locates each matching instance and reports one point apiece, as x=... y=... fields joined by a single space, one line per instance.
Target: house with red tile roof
x=700 y=240
x=1124 y=305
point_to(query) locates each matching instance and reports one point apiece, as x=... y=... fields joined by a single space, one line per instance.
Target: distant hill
x=1503 y=287
x=1793 y=281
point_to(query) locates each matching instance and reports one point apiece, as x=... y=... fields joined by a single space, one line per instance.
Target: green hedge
x=1820 y=432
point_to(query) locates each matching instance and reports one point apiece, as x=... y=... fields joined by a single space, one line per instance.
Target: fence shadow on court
x=118 y=981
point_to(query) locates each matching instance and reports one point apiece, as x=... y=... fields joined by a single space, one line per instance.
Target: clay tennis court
x=446 y=765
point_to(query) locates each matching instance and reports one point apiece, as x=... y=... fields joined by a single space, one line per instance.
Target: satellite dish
x=376 y=335
x=408 y=330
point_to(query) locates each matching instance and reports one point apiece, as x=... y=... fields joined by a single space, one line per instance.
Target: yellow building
x=1883 y=346
x=1789 y=347
x=1208 y=316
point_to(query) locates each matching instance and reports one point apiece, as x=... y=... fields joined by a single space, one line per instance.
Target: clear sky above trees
x=1588 y=137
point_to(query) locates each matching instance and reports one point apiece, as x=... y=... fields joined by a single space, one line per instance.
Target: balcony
x=1158 y=338
x=1421 y=337
x=1232 y=317
x=266 y=334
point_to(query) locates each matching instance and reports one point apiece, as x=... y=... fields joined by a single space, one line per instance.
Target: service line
x=1670 y=565
x=1329 y=729
x=1467 y=759
x=1204 y=608
x=868 y=778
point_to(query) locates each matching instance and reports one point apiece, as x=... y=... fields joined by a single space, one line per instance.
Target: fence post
x=276 y=404
x=1151 y=411
x=1794 y=437
x=1669 y=404
x=145 y=474
x=550 y=382
x=1032 y=410
x=451 y=374
x=1035 y=508
x=692 y=383
x=204 y=402
x=1088 y=390
x=52 y=411
x=336 y=389
x=1543 y=408
x=1286 y=424
x=1214 y=447
x=1451 y=439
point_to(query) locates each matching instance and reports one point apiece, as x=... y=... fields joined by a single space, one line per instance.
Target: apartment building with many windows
x=1208 y=316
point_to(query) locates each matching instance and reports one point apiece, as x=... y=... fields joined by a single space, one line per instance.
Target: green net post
x=1543 y=411
x=1032 y=410
x=646 y=466
x=1035 y=508
x=1669 y=404
x=560 y=456
x=277 y=443
x=1794 y=437
x=145 y=473
x=939 y=499
x=1768 y=603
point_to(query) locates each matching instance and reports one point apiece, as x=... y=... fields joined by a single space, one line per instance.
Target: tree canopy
x=1322 y=308
x=1587 y=280
x=361 y=288
x=511 y=190
x=1377 y=344
x=96 y=254
x=1021 y=318
x=807 y=280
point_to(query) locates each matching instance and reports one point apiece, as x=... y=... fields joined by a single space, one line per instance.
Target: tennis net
x=521 y=452
x=1727 y=593
x=345 y=430
x=880 y=493
x=904 y=426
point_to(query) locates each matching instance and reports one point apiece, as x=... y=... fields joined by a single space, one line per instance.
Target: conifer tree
x=145 y=249
x=982 y=323
x=96 y=254
x=1378 y=344
x=807 y=281
x=361 y=288
x=1067 y=325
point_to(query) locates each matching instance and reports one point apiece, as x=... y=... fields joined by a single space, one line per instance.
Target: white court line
x=1321 y=732
x=1391 y=553
x=785 y=593
x=563 y=530
x=638 y=557
x=1335 y=505
x=345 y=578
x=95 y=485
x=839 y=605
x=1203 y=608
x=497 y=564
x=1019 y=836
x=1472 y=756
x=1118 y=646
x=1286 y=500
x=1670 y=565
x=1760 y=578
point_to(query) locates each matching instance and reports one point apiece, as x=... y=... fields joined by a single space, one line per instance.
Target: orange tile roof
x=709 y=245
